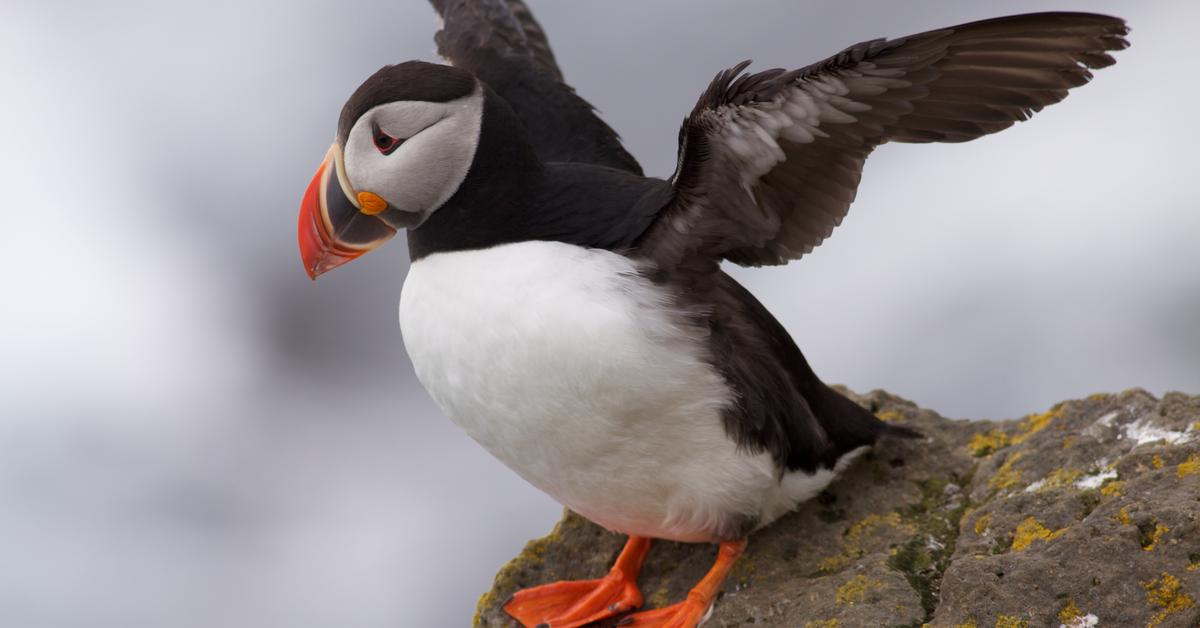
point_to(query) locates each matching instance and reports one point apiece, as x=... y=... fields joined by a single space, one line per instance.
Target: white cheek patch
x=440 y=140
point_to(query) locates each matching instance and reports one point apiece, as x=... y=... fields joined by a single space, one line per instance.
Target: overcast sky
x=193 y=434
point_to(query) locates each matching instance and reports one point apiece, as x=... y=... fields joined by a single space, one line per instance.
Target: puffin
x=571 y=314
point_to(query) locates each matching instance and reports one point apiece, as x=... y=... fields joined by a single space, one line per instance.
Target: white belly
x=568 y=367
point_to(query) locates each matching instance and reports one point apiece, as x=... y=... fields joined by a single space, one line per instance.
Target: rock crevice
x=1087 y=514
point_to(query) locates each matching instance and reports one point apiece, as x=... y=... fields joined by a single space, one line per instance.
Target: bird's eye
x=384 y=142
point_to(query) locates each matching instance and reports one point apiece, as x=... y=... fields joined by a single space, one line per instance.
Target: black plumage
x=503 y=45
x=411 y=80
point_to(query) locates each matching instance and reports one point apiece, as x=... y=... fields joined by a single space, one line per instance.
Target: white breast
x=580 y=376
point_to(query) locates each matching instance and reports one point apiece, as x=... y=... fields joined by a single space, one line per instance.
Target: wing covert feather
x=769 y=163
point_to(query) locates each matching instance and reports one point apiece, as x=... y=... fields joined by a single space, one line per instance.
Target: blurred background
x=193 y=434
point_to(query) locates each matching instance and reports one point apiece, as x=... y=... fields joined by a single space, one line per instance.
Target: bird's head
x=405 y=141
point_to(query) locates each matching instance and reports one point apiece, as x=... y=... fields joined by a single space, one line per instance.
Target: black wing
x=782 y=407
x=770 y=162
x=500 y=42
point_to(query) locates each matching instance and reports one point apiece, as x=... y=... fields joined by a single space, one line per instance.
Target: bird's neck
x=493 y=204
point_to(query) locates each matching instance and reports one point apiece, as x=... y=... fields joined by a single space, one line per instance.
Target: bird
x=571 y=314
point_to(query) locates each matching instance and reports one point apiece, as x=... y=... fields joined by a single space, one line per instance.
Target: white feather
x=583 y=378
x=440 y=139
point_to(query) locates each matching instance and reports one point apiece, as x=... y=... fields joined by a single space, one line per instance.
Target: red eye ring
x=384 y=142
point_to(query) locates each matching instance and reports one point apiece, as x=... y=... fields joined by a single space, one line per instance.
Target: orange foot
x=581 y=602
x=689 y=613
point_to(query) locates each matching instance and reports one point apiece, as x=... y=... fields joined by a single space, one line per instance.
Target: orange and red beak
x=333 y=229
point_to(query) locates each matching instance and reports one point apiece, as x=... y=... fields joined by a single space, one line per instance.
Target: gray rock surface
x=1087 y=514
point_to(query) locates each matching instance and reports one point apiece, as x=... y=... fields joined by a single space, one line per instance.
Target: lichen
x=855 y=535
x=856 y=532
x=981 y=523
x=970 y=623
x=1123 y=517
x=1058 y=478
x=890 y=416
x=1166 y=592
x=831 y=564
x=984 y=443
x=1031 y=530
x=823 y=623
x=1035 y=423
x=531 y=556
x=744 y=570
x=1191 y=466
x=1008 y=621
x=1115 y=488
x=1150 y=532
x=1156 y=461
x=1069 y=613
x=855 y=590
x=659 y=599
x=1006 y=476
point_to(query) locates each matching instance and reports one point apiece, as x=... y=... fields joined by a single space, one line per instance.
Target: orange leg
x=575 y=603
x=688 y=613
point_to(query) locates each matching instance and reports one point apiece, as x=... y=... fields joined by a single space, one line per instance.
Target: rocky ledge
x=1085 y=515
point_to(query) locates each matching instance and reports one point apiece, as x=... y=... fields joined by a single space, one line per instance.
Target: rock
x=1083 y=515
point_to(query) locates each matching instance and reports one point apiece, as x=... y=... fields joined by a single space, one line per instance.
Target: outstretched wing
x=500 y=42
x=769 y=162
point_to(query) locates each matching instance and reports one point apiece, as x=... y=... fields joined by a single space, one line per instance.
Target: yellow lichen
x=1156 y=461
x=1035 y=423
x=856 y=535
x=1006 y=476
x=855 y=590
x=1166 y=592
x=744 y=569
x=1156 y=535
x=1069 y=613
x=823 y=623
x=1123 y=517
x=1008 y=621
x=984 y=443
x=1060 y=478
x=532 y=554
x=889 y=416
x=1115 y=488
x=970 y=623
x=830 y=564
x=1067 y=442
x=1031 y=530
x=1099 y=396
x=869 y=523
x=659 y=599
x=1191 y=466
x=981 y=523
